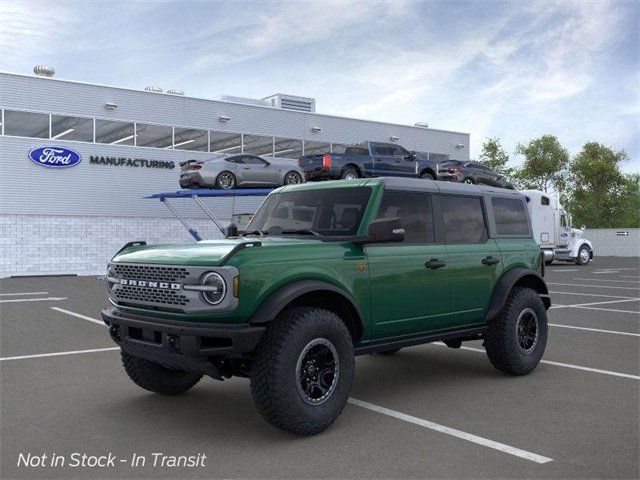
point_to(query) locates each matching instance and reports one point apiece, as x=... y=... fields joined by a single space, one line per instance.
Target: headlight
x=111 y=277
x=216 y=288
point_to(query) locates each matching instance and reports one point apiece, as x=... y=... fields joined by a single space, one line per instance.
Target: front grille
x=151 y=272
x=154 y=295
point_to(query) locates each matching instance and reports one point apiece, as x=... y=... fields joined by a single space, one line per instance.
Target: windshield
x=327 y=212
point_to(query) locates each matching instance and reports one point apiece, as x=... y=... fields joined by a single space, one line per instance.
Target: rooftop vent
x=422 y=124
x=175 y=91
x=44 y=71
x=292 y=102
x=152 y=88
x=244 y=100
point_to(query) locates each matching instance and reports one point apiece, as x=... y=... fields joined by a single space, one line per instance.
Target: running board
x=463 y=335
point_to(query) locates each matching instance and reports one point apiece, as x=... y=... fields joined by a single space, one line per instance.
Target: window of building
x=225 y=142
x=26 y=124
x=414 y=209
x=287 y=148
x=463 y=219
x=158 y=136
x=190 y=139
x=436 y=157
x=510 y=215
x=72 y=128
x=114 y=133
x=316 y=148
x=258 y=145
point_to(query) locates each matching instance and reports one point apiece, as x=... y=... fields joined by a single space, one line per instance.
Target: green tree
x=545 y=164
x=600 y=194
x=495 y=156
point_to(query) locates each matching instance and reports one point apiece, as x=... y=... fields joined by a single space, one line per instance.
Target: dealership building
x=129 y=144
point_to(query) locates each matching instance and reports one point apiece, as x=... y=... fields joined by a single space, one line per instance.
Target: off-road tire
x=388 y=353
x=579 y=260
x=220 y=176
x=501 y=339
x=427 y=176
x=349 y=173
x=156 y=378
x=274 y=374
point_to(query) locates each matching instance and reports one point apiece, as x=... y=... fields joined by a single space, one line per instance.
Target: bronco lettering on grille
x=150 y=284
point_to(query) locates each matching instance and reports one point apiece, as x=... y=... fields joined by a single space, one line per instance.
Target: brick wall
x=50 y=245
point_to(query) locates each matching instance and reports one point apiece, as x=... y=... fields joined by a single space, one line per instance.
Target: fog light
x=216 y=288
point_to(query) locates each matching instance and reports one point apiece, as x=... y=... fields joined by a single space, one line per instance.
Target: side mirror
x=410 y=156
x=232 y=231
x=384 y=230
x=583 y=228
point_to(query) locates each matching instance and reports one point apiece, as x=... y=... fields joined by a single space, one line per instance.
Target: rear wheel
x=516 y=340
x=302 y=370
x=292 y=178
x=583 y=255
x=225 y=180
x=468 y=181
x=427 y=176
x=350 y=173
x=156 y=378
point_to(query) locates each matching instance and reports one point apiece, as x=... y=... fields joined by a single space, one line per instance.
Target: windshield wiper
x=303 y=231
x=254 y=232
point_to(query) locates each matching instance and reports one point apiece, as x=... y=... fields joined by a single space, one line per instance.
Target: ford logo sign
x=55 y=157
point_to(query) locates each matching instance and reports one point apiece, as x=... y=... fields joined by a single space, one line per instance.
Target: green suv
x=324 y=272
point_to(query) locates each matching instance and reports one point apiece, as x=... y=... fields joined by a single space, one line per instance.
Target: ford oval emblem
x=55 y=157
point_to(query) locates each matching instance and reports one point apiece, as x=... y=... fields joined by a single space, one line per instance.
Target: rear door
x=383 y=159
x=474 y=260
x=408 y=296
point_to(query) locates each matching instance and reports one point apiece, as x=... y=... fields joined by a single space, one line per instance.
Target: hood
x=204 y=253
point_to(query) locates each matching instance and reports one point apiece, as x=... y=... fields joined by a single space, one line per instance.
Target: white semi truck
x=552 y=230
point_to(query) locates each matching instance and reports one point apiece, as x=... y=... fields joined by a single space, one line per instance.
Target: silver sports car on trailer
x=233 y=171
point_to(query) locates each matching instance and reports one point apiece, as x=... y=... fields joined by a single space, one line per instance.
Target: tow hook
x=114 y=331
x=172 y=343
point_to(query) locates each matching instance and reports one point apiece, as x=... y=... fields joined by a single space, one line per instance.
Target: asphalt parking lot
x=428 y=412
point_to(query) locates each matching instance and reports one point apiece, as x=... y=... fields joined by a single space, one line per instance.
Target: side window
x=545 y=200
x=415 y=211
x=463 y=219
x=398 y=151
x=233 y=159
x=251 y=160
x=511 y=216
x=381 y=149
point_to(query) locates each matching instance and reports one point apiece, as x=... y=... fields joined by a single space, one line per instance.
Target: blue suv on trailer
x=368 y=159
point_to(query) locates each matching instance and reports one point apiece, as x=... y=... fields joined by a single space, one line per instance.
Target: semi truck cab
x=552 y=230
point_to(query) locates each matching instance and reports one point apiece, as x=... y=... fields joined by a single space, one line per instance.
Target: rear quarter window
x=463 y=219
x=510 y=215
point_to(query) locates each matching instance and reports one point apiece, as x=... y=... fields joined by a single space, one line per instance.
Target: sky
x=514 y=70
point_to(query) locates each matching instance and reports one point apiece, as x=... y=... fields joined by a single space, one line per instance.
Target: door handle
x=434 y=264
x=490 y=261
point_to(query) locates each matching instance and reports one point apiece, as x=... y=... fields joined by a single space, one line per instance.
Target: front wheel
x=302 y=370
x=292 y=178
x=156 y=378
x=516 y=340
x=583 y=255
x=427 y=176
x=468 y=181
x=225 y=180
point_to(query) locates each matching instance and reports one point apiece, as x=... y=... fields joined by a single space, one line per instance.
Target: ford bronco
x=326 y=271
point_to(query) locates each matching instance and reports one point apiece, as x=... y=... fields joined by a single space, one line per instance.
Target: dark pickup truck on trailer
x=368 y=159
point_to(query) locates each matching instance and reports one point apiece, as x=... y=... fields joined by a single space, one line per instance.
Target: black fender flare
x=430 y=171
x=506 y=283
x=278 y=300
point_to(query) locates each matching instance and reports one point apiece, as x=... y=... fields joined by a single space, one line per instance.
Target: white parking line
x=610 y=310
x=594 y=286
x=595 y=330
x=56 y=354
x=562 y=270
x=23 y=293
x=629 y=276
x=588 y=294
x=485 y=442
x=48 y=299
x=74 y=314
x=589 y=304
x=605 y=272
x=606 y=280
x=613 y=269
x=566 y=365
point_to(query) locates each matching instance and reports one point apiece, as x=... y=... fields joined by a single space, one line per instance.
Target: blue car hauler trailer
x=197 y=195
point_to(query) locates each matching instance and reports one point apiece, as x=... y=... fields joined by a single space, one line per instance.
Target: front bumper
x=180 y=345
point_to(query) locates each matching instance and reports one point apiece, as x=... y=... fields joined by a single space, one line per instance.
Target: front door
x=257 y=171
x=474 y=260
x=409 y=280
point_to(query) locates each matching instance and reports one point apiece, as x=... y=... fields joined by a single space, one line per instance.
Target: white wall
x=607 y=241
